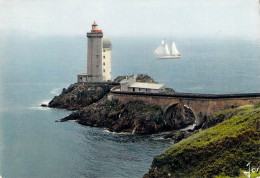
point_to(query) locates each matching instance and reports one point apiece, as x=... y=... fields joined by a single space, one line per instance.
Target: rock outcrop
x=133 y=117
x=94 y=109
x=79 y=95
x=140 y=78
x=178 y=135
x=179 y=116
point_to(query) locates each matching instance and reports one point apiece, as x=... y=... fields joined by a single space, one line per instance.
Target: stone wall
x=201 y=104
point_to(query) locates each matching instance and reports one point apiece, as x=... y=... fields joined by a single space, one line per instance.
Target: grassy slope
x=221 y=150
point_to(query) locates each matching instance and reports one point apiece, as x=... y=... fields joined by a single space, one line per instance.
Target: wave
x=56 y=91
x=189 y=127
x=45 y=102
x=39 y=108
x=117 y=133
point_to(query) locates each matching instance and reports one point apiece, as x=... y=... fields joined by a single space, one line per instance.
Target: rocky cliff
x=94 y=109
x=132 y=117
x=79 y=95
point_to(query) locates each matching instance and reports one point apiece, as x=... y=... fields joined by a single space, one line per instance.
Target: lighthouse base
x=85 y=78
x=82 y=78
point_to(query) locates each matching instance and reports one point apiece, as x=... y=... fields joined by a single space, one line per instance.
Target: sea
x=34 y=69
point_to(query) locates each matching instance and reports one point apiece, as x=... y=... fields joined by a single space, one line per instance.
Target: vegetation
x=222 y=150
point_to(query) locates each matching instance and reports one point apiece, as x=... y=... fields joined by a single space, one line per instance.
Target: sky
x=227 y=18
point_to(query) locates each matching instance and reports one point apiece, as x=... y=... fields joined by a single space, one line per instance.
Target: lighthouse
x=98 y=57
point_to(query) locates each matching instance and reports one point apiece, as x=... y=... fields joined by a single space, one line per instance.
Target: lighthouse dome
x=106 y=42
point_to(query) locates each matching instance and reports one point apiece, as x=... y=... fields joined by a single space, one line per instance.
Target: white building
x=130 y=85
x=98 y=58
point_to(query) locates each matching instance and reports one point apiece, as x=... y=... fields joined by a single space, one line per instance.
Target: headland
x=103 y=105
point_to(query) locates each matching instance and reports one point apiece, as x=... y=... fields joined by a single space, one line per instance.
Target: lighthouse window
x=104 y=57
x=104 y=50
x=104 y=63
x=104 y=70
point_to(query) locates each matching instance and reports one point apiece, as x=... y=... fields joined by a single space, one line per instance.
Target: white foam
x=56 y=91
x=117 y=133
x=189 y=127
x=45 y=102
x=39 y=108
x=158 y=138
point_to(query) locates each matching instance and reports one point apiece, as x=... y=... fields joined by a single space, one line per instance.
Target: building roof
x=94 y=24
x=106 y=42
x=146 y=85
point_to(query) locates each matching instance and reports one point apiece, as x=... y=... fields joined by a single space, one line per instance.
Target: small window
x=104 y=63
x=139 y=89
x=104 y=70
x=104 y=57
x=97 y=55
x=97 y=65
x=104 y=50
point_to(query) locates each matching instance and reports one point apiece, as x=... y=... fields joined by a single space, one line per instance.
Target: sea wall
x=201 y=104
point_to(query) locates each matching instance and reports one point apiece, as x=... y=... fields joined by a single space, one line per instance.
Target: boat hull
x=169 y=57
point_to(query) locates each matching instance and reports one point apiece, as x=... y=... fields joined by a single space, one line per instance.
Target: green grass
x=222 y=150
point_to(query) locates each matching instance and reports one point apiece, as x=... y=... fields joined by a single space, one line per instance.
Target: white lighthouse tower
x=98 y=57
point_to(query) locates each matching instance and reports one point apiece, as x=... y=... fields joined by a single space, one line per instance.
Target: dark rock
x=140 y=78
x=133 y=117
x=144 y=78
x=44 y=105
x=212 y=120
x=178 y=116
x=79 y=95
x=178 y=135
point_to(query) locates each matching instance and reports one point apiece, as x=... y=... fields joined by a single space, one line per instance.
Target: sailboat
x=163 y=51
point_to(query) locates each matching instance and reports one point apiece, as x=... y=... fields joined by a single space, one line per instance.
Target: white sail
x=175 y=50
x=167 y=51
x=159 y=51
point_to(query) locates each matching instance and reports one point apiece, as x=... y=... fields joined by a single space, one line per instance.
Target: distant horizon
x=32 y=35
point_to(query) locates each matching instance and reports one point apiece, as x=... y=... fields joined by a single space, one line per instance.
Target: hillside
x=224 y=149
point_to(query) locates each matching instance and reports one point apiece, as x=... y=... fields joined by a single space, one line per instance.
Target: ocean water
x=33 y=69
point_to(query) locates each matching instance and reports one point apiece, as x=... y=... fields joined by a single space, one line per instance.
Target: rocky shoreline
x=92 y=108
